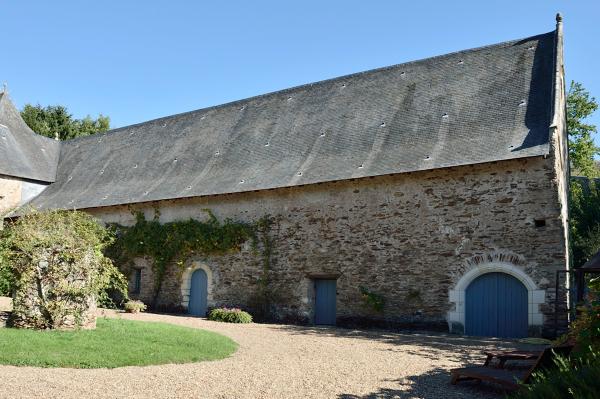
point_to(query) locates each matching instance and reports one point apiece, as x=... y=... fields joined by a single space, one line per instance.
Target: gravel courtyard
x=275 y=361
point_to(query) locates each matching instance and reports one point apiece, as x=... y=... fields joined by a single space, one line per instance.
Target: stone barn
x=432 y=192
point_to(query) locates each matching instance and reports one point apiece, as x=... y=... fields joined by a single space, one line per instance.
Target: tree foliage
x=57 y=269
x=580 y=105
x=584 y=220
x=55 y=120
x=584 y=206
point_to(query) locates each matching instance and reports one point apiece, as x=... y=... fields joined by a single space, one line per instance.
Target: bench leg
x=454 y=379
x=488 y=360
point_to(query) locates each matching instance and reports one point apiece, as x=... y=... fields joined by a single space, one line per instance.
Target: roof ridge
x=26 y=154
x=307 y=85
x=5 y=98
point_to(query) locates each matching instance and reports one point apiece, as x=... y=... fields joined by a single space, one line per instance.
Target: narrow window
x=137 y=281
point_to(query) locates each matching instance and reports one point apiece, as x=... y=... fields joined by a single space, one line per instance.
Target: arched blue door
x=496 y=306
x=198 y=293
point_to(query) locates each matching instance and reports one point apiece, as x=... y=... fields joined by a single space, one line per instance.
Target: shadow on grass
x=434 y=384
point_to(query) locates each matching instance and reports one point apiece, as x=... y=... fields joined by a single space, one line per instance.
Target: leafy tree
x=584 y=204
x=56 y=269
x=581 y=135
x=585 y=220
x=56 y=120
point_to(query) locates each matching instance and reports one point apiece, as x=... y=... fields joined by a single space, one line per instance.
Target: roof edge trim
x=16 y=211
x=558 y=83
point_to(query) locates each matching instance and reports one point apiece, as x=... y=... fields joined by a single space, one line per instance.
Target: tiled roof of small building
x=481 y=105
x=23 y=153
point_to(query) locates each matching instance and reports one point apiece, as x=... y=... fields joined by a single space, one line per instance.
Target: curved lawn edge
x=114 y=343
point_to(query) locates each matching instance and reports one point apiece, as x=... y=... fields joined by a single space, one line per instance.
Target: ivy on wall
x=372 y=300
x=172 y=243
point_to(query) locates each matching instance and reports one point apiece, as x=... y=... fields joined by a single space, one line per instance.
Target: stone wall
x=407 y=237
x=15 y=192
x=10 y=193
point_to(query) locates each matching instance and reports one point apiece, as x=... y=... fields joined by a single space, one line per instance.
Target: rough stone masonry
x=407 y=237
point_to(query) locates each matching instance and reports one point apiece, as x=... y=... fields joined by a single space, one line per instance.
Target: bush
x=135 y=306
x=5 y=281
x=585 y=330
x=577 y=379
x=114 y=294
x=6 y=276
x=230 y=315
x=56 y=268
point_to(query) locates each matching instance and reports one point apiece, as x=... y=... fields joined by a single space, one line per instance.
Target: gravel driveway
x=276 y=361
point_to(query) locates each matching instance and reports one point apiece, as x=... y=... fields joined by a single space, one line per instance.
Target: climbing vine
x=372 y=300
x=174 y=242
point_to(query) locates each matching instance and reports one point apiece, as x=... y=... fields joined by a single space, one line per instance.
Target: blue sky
x=135 y=61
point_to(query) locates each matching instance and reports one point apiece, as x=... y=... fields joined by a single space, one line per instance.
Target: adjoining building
x=439 y=185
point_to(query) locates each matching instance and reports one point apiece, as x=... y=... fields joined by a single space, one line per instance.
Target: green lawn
x=114 y=343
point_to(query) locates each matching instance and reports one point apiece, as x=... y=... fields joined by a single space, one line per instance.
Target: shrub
x=585 y=330
x=135 y=306
x=6 y=281
x=57 y=269
x=230 y=315
x=577 y=379
x=6 y=276
x=115 y=293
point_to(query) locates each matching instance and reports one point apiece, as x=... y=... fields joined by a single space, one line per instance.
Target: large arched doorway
x=496 y=306
x=198 y=293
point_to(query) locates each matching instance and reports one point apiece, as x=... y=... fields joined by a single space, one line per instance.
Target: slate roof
x=486 y=104
x=24 y=153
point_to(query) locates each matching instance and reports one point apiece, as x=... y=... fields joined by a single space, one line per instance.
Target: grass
x=114 y=343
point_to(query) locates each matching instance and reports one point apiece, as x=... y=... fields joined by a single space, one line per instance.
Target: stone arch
x=456 y=295
x=186 y=282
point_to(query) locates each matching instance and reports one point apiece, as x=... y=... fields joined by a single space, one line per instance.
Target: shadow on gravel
x=434 y=384
x=431 y=345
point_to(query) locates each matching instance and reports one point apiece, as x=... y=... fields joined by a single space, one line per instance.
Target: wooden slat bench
x=504 y=356
x=510 y=379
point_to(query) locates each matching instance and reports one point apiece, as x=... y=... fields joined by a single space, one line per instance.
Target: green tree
x=56 y=120
x=584 y=206
x=56 y=269
x=584 y=224
x=581 y=135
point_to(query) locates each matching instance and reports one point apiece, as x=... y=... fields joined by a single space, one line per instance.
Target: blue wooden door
x=198 y=293
x=325 y=296
x=496 y=306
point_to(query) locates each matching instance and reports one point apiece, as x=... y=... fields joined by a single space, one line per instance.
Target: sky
x=135 y=61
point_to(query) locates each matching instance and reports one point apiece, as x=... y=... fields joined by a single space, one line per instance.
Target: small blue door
x=198 y=293
x=325 y=296
x=496 y=306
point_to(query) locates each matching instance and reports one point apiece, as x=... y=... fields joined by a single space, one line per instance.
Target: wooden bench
x=510 y=379
x=504 y=356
